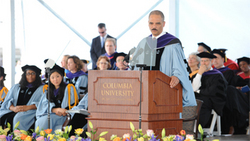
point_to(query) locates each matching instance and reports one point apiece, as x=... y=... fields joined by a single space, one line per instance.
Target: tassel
x=75 y=95
x=45 y=87
x=5 y=90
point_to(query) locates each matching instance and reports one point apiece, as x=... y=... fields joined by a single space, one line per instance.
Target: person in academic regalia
x=61 y=97
x=3 y=89
x=170 y=58
x=79 y=120
x=120 y=63
x=210 y=87
x=244 y=63
x=103 y=63
x=85 y=65
x=193 y=63
x=64 y=63
x=110 y=48
x=76 y=76
x=21 y=101
x=202 y=47
x=237 y=102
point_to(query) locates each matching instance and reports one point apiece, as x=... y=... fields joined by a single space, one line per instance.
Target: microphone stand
x=48 y=94
x=140 y=66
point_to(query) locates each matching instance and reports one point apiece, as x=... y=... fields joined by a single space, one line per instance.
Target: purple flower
x=87 y=139
x=153 y=138
x=9 y=138
x=33 y=135
x=179 y=138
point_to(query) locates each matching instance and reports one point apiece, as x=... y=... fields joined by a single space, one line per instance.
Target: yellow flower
x=28 y=138
x=42 y=133
x=50 y=136
x=166 y=139
x=62 y=139
x=78 y=131
x=102 y=139
x=141 y=139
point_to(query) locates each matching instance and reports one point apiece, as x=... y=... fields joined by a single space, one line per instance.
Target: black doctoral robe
x=212 y=93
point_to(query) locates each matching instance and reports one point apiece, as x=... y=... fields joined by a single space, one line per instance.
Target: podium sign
x=114 y=98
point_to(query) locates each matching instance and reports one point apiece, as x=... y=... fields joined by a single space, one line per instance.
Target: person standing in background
x=98 y=44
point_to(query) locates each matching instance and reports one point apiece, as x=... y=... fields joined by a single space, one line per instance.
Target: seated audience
x=110 y=47
x=244 y=64
x=76 y=76
x=120 y=62
x=61 y=97
x=236 y=107
x=21 y=101
x=193 y=63
x=103 y=63
x=210 y=87
x=3 y=89
x=85 y=66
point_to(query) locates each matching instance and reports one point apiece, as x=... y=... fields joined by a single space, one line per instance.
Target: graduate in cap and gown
x=210 y=87
x=120 y=62
x=170 y=58
x=236 y=105
x=61 y=97
x=244 y=63
x=76 y=76
x=22 y=100
x=3 y=89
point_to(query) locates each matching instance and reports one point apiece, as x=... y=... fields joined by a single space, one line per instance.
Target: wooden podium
x=114 y=98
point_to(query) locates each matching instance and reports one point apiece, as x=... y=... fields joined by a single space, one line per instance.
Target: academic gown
x=26 y=118
x=56 y=121
x=79 y=120
x=213 y=94
x=3 y=93
x=112 y=60
x=170 y=60
x=79 y=80
x=235 y=112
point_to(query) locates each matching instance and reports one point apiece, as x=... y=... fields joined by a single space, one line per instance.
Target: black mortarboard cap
x=85 y=61
x=55 y=68
x=31 y=67
x=205 y=46
x=206 y=55
x=221 y=52
x=2 y=72
x=246 y=59
x=119 y=54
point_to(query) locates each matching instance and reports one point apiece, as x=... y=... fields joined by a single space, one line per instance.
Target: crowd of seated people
x=215 y=81
x=223 y=85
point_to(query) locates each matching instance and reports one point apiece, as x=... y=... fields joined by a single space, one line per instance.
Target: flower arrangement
x=59 y=135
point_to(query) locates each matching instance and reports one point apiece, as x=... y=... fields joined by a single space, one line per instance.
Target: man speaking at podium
x=170 y=58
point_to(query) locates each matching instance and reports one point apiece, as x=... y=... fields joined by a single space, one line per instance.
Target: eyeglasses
x=120 y=60
x=30 y=73
x=102 y=32
x=103 y=63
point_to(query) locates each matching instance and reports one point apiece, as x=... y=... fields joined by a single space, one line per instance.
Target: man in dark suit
x=98 y=43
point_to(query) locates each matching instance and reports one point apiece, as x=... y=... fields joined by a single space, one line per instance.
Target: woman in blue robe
x=61 y=98
x=21 y=101
x=76 y=76
x=3 y=89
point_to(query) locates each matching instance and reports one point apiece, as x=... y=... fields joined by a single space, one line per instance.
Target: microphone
x=49 y=63
x=127 y=57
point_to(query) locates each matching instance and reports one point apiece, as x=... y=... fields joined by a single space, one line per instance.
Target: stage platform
x=230 y=138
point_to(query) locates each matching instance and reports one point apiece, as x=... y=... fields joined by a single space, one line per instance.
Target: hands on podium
x=174 y=81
